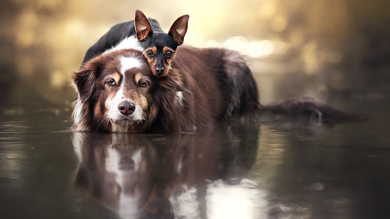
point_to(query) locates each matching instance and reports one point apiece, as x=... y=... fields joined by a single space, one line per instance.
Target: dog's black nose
x=159 y=70
x=126 y=108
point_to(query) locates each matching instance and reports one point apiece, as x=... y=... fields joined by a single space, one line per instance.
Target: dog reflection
x=114 y=170
x=175 y=176
x=141 y=176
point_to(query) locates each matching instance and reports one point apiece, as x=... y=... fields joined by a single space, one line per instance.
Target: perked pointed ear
x=179 y=29
x=84 y=80
x=142 y=25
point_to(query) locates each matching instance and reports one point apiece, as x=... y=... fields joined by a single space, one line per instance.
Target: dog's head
x=160 y=48
x=115 y=93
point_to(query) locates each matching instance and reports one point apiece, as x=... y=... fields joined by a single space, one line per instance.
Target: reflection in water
x=201 y=175
x=190 y=175
x=12 y=161
x=236 y=201
x=195 y=175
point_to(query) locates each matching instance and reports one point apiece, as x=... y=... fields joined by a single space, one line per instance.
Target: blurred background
x=319 y=48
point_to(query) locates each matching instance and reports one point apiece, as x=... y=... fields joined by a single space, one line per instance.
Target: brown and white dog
x=117 y=92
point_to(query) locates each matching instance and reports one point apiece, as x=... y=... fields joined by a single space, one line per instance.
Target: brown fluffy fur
x=204 y=87
x=215 y=84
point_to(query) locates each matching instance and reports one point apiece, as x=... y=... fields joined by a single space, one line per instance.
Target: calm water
x=337 y=51
x=241 y=170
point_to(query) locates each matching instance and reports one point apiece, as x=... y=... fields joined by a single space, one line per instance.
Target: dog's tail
x=309 y=108
x=243 y=97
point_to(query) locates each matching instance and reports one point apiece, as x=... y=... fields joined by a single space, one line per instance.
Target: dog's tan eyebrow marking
x=137 y=77
x=166 y=49
x=153 y=49
x=116 y=76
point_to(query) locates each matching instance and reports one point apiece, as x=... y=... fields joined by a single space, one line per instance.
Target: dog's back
x=218 y=83
x=115 y=35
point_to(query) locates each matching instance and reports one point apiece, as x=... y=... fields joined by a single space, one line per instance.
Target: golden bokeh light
x=49 y=37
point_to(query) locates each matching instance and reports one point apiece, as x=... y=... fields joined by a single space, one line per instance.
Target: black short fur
x=119 y=32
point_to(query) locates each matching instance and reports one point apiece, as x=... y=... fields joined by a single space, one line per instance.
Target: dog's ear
x=179 y=29
x=84 y=79
x=142 y=25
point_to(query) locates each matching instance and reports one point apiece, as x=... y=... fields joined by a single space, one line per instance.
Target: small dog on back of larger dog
x=120 y=90
x=143 y=34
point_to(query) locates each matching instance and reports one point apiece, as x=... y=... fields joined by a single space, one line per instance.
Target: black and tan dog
x=143 y=34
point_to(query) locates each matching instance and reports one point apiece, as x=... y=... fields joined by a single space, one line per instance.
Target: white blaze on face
x=129 y=63
x=121 y=122
x=127 y=181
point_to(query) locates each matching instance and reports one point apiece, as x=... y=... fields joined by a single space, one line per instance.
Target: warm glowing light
x=212 y=43
x=310 y=58
x=281 y=48
x=256 y=49
x=278 y=24
x=268 y=9
x=243 y=201
x=194 y=38
x=282 y=31
x=58 y=79
x=26 y=24
x=237 y=43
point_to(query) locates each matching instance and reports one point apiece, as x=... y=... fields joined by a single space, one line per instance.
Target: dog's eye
x=111 y=83
x=150 y=53
x=142 y=83
x=168 y=54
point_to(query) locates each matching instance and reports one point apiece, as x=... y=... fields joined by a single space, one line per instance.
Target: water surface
x=289 y=169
